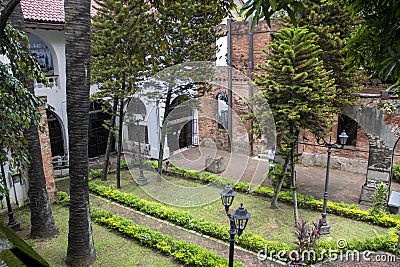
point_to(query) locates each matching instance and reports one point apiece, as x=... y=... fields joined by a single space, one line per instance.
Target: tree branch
x=6 y=9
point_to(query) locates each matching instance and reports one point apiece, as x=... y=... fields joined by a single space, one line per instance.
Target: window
x=222 y=115
x=42 y=53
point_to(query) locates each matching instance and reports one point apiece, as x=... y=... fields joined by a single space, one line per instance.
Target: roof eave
x=44 y=25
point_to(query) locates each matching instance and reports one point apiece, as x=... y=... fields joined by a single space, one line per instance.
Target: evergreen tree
x=333 y=26
x=186 y=31
x=122 y=42
x=299 y=91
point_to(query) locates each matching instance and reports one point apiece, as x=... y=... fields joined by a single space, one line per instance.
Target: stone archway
x=383 y=131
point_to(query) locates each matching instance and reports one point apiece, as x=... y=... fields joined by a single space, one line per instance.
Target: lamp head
x=241 y=217
x=227 y=196
x=343 y=138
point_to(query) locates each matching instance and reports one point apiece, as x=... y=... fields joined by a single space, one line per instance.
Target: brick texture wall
x=46 y=154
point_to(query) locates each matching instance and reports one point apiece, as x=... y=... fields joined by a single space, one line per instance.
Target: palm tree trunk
x=81 y=250
x=42 y=221
x=109 y=140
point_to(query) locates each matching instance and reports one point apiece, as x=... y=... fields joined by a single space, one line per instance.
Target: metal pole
x=229 y=43
x=325 y=229
x=251 y=67
x=141 y=180
x=12 y=223
x=232 y=232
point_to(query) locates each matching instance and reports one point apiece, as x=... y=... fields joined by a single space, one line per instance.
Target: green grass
x=112 y=248
x=273 y=224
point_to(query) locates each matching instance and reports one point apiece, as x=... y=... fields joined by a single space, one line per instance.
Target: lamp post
x=238 y=220
x=325 y=229
x=12 y=223
x=141 y=180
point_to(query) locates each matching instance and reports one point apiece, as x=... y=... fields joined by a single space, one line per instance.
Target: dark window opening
x=349 y=125
x=136 y=106
x=55 y=134
x=98 y=135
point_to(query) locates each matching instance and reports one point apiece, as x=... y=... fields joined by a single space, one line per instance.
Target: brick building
x=369 y=149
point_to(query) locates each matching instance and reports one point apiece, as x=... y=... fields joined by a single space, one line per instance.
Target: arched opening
x=56 y=134
x=395 y=177
x=138 y=131
x=98 y=135
x=180 y=124
x=42 y=53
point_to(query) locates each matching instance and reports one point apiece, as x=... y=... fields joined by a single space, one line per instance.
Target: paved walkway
x=343 y=186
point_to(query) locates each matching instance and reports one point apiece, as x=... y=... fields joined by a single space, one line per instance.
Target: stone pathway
x=248 y=258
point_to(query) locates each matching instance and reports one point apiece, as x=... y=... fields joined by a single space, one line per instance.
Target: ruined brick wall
x=208 y=125
x=262 y=37
x=47 y=157
x=209 y=132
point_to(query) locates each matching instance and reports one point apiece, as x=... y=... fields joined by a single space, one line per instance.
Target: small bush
x=124 y=165
x=379 y=200
x=95 y=173
x=62 y=199
x=396 y=172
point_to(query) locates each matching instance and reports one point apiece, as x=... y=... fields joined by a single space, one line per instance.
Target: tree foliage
x=17 y=106
x=298 y=89
x=376 y=41
x=375 y=45
x=122 y=40
x=265 y=9
x=333 y=26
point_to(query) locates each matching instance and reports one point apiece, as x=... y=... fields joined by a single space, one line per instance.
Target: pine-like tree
x=186 y=31
x=333 y=25
x=298 y=89
x=122 y=42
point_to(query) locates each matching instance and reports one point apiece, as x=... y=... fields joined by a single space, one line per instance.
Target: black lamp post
x=238 y=220
x=142 y=180
x=12 y=223
x=325 y=229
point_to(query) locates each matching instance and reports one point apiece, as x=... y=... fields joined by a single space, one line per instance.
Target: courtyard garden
x=131 y=241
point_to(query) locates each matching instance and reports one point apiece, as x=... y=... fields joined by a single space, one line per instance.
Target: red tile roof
x=43 y=10
x=46 y=10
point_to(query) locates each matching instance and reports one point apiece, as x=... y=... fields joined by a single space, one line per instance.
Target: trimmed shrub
x=95 y=173
x=186 y=253
x=247 y=240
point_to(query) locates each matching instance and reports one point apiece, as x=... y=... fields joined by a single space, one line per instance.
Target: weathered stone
x=214 y=165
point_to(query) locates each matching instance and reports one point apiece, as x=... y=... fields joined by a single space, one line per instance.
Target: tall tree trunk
x=293 y=183
x=42 y=221
x=109 y=140
x=81 y=250
x=278 y=187
x=119 y=149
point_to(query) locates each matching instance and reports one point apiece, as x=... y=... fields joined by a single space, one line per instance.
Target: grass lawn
x=272 y=224
x=112 y=249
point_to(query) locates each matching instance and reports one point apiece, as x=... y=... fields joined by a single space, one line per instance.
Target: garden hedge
x=351 y=211
x=186 y=253
x=250 y=241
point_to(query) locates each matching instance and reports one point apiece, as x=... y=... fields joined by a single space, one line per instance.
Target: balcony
x=53 y=81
